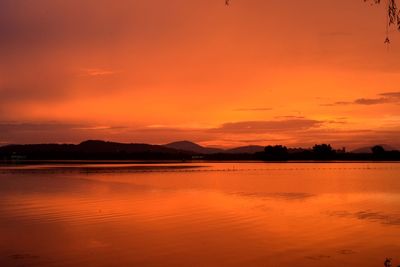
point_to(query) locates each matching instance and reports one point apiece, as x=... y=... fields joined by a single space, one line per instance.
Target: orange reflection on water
x=331 y=216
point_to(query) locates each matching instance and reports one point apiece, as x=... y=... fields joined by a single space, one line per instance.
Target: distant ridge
x=196 y=148
x=193 y=147
x=92 y=149
x=98 y=149
x=245 y=150
x=367 y=150
x=183 y=151
x=104 y=146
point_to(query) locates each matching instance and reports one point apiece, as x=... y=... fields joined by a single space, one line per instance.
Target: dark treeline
x=100 y=150
x=324 y=152
x=91 y=150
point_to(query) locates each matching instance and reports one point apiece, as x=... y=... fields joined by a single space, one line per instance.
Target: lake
x=200 y=214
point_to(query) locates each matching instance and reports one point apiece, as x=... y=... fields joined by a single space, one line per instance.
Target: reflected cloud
x=24 y=256
x=279 y=195
x=318 y=257
x=371 y=216
x=346 y=252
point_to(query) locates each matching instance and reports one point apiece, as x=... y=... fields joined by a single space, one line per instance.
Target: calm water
x=226 y=214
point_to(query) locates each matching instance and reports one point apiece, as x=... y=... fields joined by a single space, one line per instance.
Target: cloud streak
x=268 y=126
x=292 y=133
x=97 y=72
x=384 y=98
x=56 y=132
x=253 y=109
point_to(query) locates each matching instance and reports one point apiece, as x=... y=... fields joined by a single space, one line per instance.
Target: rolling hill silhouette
x=182 y=150
x=196 y=148
x=245 y=150
x=193 y=147
x=93 y=149
x=368 y=150
x=98 y=149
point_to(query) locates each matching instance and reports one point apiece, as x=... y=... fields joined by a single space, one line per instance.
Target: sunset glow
x=254 y=72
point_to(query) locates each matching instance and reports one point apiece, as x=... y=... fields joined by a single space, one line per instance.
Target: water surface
x=200 y=214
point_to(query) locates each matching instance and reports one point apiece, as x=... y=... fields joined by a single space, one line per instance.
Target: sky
x=155 y=71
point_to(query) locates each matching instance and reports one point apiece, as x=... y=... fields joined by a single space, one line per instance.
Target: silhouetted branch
x=393 y=15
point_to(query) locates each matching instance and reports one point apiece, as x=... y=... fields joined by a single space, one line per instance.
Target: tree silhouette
x=276 y=152
x=378 y=150
x=323 y=151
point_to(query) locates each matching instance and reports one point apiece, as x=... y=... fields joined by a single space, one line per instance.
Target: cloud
x=369 y=215
x=6 y=127
x=97 y=72
x=391 y=95
x=373 y=101
x=255 y=141
x=48 y=132
x=289 y=125
x=290 y=117
x=253 y=109
x=287 y=196
x=99 y=127
x=42 y=82
x=245 y=132
x=59 y=132
x=351 y=139
x=292 y=133
x=384 y=98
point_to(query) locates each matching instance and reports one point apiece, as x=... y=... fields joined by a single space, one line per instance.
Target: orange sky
x=256 y=72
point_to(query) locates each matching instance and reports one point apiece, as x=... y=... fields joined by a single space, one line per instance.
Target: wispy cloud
x=32 y=127
x=45 y=132
x=3 y=142
x=253 y=109
x=268 y=126
x=99 y=127
x=290 y=132
x=97 y=72
x=369 y=215
x=256 y=141
x=290 y=117
x=391 y=95
x=374 y=101
x=384 y=98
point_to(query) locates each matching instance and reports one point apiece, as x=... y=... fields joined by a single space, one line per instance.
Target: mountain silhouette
x=245 y=150
x=95 y=146
x=367 y=150
x=193 y=147
x=184 y=150
x=93 y=149
x=196 y=148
